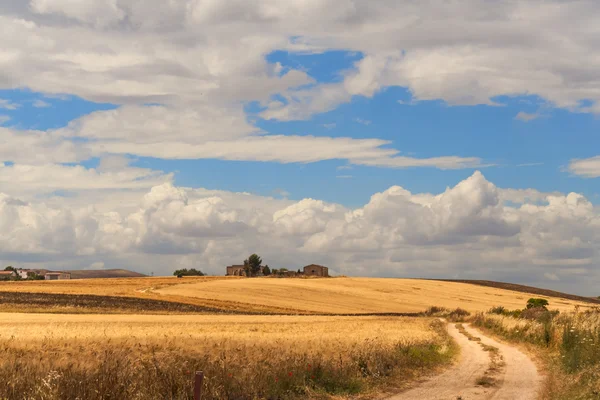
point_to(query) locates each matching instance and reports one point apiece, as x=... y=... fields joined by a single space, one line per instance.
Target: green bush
x=537 y=303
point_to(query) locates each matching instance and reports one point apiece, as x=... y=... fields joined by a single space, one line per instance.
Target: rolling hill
x=288 y=296
x=358 y=295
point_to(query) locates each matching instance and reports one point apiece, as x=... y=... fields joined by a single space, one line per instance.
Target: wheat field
x=49 y=356
x=308 y=296
x=357 y=295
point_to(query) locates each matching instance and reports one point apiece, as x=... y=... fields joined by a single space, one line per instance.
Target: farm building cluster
x=309 y=270
x=31 y=273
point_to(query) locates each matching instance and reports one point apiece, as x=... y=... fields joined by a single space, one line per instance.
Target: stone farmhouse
x=316 y=270
x=309 y=270
x=56 y=276
x=236 y=270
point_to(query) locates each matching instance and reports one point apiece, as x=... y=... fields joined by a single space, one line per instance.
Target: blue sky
x=521 y=155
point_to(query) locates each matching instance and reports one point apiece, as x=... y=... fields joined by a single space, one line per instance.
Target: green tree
x=254 y=264
x=537 y=303
x=188 y=272
x=9 y=268
x=266 y=270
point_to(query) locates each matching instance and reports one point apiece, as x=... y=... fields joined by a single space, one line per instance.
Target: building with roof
x=7 y=275
x=316 y=270
x=236 y=270
x=57 y=276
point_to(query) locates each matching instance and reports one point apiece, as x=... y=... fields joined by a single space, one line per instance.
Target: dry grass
x=568 y=344
x=244 y=357
x=355 y=295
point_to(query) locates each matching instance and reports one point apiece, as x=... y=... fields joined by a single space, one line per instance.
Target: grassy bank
x=569 y=344
x=242 y=357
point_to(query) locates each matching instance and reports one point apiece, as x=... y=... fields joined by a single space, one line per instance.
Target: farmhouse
x=6 y=275
x=23 y=273
x=236 y=270
x=316 y=270
x=55 y=276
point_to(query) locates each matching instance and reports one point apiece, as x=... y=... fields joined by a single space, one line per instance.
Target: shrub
x=537 y=303
x=500 y=310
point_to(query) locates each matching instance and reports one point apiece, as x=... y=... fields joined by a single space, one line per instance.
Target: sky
x=380 y=138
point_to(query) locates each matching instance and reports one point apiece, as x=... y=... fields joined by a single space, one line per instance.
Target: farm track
x=514 y=377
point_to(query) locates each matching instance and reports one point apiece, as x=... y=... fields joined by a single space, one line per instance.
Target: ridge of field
x=358 y=295
x=525 y=289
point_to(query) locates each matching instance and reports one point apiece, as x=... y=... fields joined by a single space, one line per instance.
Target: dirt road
x=481 y=373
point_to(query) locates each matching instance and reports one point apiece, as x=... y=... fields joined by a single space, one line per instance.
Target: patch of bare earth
x=486 y=370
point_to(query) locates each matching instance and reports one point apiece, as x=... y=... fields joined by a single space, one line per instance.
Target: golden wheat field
x=309 y=333
x=357 y=295
x=335 y=295
x=151 y=356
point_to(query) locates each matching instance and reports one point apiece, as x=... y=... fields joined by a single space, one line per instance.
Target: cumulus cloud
x=467 y=231
x=185 y=51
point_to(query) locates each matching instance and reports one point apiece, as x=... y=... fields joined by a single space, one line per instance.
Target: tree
x=253 y=264
x=188 y=272
x=537 y=303
x=9 y=268
x=266 y=270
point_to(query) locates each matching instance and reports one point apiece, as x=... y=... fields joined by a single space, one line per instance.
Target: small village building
x=316 y=270
x=56 y=276
x=23 y=273
x=236 y=270
x=6 y=275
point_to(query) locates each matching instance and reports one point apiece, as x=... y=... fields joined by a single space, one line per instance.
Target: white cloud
x=99 y=12
x=4 y=119
x=466 y=231
x=43 y=179
x=41 y=104
x=220 y=133
x=186 y=52
x=362 y=121
x=586 y=167
x=8 y=105
x=526 y=117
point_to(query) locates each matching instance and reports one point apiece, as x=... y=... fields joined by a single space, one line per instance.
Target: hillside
x=104 y=273
x=357 y=295
x=526 y=289
x=296 y=296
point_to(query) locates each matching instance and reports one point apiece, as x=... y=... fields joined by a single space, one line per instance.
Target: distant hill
x=104 y=273
x=525 y=289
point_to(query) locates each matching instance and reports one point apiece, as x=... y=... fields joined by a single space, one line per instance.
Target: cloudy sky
x=454 y=139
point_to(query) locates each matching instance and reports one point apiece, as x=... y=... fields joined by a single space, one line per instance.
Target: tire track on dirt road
x=517 y=379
